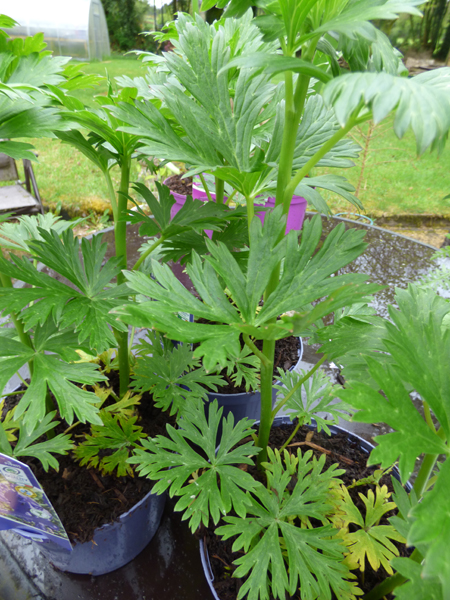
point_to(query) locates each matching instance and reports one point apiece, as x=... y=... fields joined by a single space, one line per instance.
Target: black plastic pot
x=279 y=421
x=246 y=404
x=115 y=544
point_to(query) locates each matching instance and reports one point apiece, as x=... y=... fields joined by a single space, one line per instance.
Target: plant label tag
x=24 y=506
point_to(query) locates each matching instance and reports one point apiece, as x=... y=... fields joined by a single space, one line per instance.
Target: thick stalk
x=112 y=195
x=195 y=7
x=147 y=252
x=388 y=585
x=220 y=187
x=266 y=399
x=250 y=212
x=120 y=236
x=426 y=469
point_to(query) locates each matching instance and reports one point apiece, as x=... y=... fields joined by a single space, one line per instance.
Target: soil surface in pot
x=180 y=186
x=339 y=449
x=84 y=498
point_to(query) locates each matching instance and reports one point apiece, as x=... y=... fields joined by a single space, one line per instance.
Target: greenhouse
x=75 y=29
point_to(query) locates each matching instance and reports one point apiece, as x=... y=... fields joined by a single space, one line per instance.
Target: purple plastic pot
x=296 y=214
x=114 y=545
x=280 y=421
x=180 y=199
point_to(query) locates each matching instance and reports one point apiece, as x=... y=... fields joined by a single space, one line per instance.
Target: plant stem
x=112 y=194
x=195 y=7
x=428 y=419
x=49 y=407
x=255 y=350
x=230 y=197
x=250 y=211
x=205 y=187
x=291 y=437
x=266 y=419
x=22 y=379
x=297 y=385
x=388 y=585
x=147 y=252
x=120 y=235
x=13 y=393
x=426 y=468
x=220 y=187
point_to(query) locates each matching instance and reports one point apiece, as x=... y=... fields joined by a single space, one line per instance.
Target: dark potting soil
x=84 y=498
x=180 y=186
x=338 y=449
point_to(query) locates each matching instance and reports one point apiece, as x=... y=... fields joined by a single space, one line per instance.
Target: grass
x=391 y=179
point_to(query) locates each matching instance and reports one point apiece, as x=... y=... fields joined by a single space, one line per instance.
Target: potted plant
x=295 y=297
x=60 y=325
x=409 y=352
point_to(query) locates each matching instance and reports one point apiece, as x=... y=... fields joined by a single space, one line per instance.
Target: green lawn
x=394 y=179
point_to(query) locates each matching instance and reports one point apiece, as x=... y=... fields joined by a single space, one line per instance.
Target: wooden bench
x=18 y=197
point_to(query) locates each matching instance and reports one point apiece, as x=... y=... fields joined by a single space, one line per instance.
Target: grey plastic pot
x=280 y=421
x=246 y=404
x=114 y=545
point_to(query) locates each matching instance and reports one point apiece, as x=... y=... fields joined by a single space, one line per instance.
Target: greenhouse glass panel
x=76 y=28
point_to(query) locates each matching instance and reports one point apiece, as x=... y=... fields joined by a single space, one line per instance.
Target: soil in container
x=180 y=186
x=339 y=448
x=84 y=498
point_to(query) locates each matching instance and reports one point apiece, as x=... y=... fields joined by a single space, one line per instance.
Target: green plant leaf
x=18 y=150
x=370 y=541
x=85 y=308
x=432 y=527
x=172 y=375
x=109 y=445
x=209 y=485
x=418 y=587
x=279 y=554
x=43 y=451
x=421 y=102
x=314 y=396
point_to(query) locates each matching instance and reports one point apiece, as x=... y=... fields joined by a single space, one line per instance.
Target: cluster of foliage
x=268 y=117
x=126 y=21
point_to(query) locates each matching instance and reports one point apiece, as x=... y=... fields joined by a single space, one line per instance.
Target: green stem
x=195 y=7
x=205 y=187
x=13 y=393
x=255 y=350
x=120 y=235
x=49 y=407
x=292 y=436
x=250 y=211
x=147 y=252
x=220 y=187
x=290 y=189
x=22 y=379
x=388 y=585
x=112 y=195
x=428 y=419
x=230 y=197
x=299 y=383
x=426 y=469
x=266 y=419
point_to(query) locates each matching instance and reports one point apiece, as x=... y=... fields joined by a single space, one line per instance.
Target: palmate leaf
x=314 y=396
x=244 y=368
x=418 y=587
x=209 y=485
x=43 y=451
x=280 y=556
x=370 y=541
x=306 y=277
x=15 y=236
x=116 y=433
x=412 y=435
x=422 y=102
x=86 y=308
x=173 y=376
x=431 y=527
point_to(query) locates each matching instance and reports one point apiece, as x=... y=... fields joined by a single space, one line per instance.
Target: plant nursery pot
x=280 y=421
x=246 y=404
x=296 y=214
x=114 y=544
